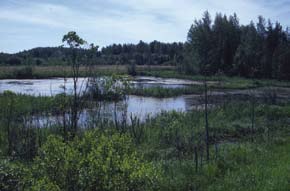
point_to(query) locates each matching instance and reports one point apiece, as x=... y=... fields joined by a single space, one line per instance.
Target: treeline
x=218 y=46
x=153 y=53
x=40 y=56
x=260 y=50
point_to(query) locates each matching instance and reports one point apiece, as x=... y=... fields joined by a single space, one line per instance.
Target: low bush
x=97 y=161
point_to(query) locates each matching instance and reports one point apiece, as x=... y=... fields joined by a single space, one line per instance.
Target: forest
x=208 y=114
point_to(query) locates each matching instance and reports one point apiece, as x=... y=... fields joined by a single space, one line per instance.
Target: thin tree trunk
x=206 y=119
x=196 y=159
x=252 y=117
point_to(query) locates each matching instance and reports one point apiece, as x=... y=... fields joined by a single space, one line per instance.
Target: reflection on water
x=145 y=82
x=136 y=106
x=53 y=86
x=44 y=87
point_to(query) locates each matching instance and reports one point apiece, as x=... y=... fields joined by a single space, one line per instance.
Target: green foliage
x=165 y=92
x=44 y=184
x=57 y=162
x=105 y=160
x=73 y=40
x=97 y=161
x=252 y=167
x=12 y=176
x=234 y=156
x=153 y=54
x=224 y=46
x=113 y=87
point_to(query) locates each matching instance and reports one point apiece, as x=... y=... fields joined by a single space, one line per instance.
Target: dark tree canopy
x=225 y=46
x=154 y=53
x=73 y=40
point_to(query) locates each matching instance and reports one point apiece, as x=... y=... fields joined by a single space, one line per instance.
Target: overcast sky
x=26 y=24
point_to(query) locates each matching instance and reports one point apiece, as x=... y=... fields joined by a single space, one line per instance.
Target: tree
x=249 y=54
x=200 y=39
x=281 y=59
x=74 y=42
x=226 y=47
x=226 y=39
x=275 y=37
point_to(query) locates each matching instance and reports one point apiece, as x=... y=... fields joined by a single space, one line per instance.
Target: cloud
x=38 y=14
x=42 y=23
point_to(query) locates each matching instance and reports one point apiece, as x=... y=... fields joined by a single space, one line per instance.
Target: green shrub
x=97 y=161
x=12 y=176
x=113 y=87
x=44 y=184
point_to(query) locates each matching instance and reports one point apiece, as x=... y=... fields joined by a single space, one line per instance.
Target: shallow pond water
x=141 y=107
x=43 y=87
x=134 y=106
x=138 y=106
x=53 y=86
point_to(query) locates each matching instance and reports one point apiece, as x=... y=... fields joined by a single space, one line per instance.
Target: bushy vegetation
x=95 y=161
x=112 y=88
x=108 y=158
x=98 y=161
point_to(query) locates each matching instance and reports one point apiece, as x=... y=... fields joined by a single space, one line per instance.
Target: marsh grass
x=38 y=72
x=172 y=143
x=161 y=92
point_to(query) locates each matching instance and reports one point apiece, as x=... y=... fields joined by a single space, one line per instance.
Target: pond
x=53 y=86
x=138 y=106
x=134 y=106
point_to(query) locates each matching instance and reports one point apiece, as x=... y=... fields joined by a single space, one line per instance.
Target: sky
x=26 y=24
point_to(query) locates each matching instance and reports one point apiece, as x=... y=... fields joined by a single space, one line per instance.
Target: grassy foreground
x=249 y=145
x=262 y=168
x=164 y=153
x=244 y=166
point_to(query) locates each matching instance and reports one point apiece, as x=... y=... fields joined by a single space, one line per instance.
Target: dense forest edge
x=213 y=46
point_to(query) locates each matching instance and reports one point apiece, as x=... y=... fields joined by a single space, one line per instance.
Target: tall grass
x=161 y=92
x=173 y=142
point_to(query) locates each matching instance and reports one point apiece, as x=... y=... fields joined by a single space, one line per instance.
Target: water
x=53 y=86
x=134 y=106
x=145 y=82
x=137 y=106
x=43 y=87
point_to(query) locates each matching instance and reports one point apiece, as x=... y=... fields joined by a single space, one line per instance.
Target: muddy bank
x=272 y=95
